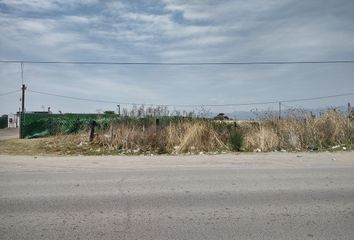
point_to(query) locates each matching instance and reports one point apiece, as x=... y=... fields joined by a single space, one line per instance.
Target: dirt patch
x=22 y=147
x=58 y=145
x=9 y=133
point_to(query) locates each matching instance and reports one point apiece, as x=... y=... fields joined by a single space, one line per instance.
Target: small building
x=13 y=120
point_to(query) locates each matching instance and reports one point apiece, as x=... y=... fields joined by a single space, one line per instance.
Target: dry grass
x=177 y=137
x=300 y=132
x=296 y=132
x=260 y=136
x=74 y=144
x=21 y=146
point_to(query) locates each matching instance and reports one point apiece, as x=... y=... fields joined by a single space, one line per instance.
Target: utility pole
x=279 y=110
x=22 y=116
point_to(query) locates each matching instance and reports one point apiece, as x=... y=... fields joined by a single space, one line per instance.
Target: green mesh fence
x=41 y=125
x=3 y=122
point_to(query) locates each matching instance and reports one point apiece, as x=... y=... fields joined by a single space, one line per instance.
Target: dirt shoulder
x=9 y=133
x=58 y=145
x=66 y=146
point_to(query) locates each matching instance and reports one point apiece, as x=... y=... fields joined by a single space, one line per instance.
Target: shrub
x=236 y=139
x=299 y=131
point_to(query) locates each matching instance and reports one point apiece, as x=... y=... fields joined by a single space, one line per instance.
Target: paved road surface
x=248 y=196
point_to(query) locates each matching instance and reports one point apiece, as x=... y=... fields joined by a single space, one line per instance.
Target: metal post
x=350 y=115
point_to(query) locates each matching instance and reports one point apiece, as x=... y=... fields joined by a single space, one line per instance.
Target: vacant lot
x=297 y=130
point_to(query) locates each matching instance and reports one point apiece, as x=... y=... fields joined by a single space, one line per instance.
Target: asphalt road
x=247 y=196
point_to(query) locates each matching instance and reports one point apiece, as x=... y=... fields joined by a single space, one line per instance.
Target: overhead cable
x=181 y=63
x=194 y=105
x=8 y=93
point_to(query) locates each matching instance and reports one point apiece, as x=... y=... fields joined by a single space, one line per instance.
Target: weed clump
x=187 y=136
x=236 y=139
x=300 y=131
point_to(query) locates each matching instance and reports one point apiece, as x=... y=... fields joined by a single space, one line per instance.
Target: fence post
x=349 y=109
x=92 y=130
x=157 y=132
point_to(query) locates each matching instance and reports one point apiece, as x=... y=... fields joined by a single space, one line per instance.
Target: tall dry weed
x=296 y=131
x=300 y=131
x=177 y=137
x=261 y=136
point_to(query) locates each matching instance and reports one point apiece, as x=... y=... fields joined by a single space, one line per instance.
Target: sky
x=175 y=31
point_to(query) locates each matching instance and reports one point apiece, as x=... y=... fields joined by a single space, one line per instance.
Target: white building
x=13 y=120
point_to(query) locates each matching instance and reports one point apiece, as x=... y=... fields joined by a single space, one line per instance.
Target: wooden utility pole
x=22 y=116
x=279 y=110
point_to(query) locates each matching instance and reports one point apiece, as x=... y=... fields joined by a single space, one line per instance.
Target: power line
x=194 y=105
x=288 y=106
x=77 y=98
x=8 y=93
x=167 y=105
x=181 y=63
x=317 y=98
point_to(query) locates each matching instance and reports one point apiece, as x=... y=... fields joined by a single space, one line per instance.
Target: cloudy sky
x=176 y=31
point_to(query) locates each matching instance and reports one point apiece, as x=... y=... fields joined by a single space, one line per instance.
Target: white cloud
x=81 y=19
x=32 y=5
x=46 y=5
x=221 y=11
x=173 y=31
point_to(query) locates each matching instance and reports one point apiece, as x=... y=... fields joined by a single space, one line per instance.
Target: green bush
x=236 y=139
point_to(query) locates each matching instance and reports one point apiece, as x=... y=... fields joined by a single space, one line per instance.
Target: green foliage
x=109 y=112
x=236 y=139
x=221 y=116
